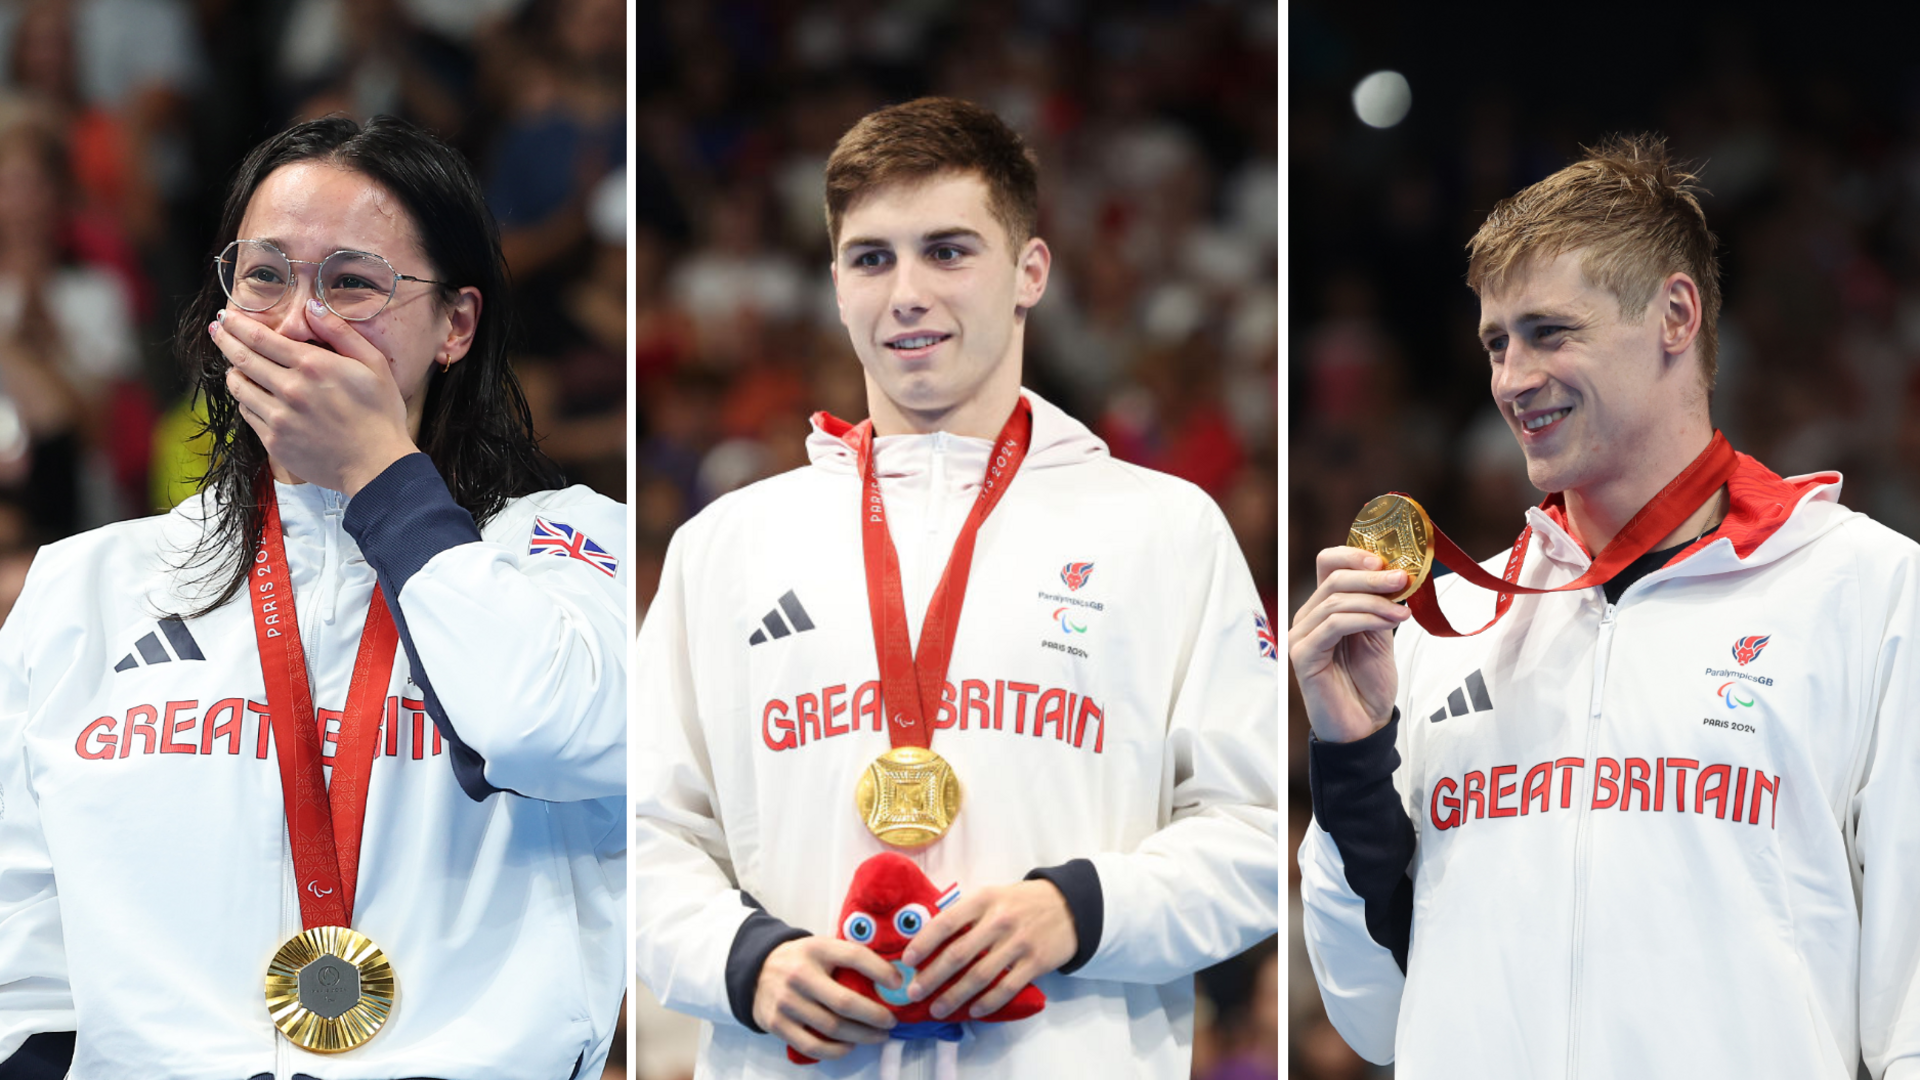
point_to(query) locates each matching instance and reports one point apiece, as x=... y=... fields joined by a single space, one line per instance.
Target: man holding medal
x=966 y=633
x=1658 y=816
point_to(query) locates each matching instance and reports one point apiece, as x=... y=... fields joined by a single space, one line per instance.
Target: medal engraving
x=330 y=989
x=1395 y=528
x=908 y=797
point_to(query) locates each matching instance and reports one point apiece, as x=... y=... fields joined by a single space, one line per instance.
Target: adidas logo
x=150 y=651
x=777 y=627
x=1476 y=689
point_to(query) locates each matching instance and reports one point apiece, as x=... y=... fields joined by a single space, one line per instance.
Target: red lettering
x=806 y=709
x=866 y=702
x=1761 y=783
x=1087 y=710
x=1566 y=765
x=266 y=729
x=1052 y=709
x=833 y=708
x=1636 y=767
x=390 y=719
x=1473 y=790
x=230 y=730
x=1452 y=804
x=141 y=727
x=107 y=739
x=1718 y=792
x=1538 y=781
x=944 y=714
x=973 y=695
x=328 y=722
x=419 y=734
x=436 y=739
x=1601 y=780
x=1499 y=791
x=999 y=702
x=172 y=723
x=1659 y=782
x=768 y=725
x=1680 y=784
x=1022 y=689
x=1739 y=792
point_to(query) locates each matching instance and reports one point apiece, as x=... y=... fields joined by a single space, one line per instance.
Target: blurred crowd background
x=1808 y=133
x=121 y=122
x=1156 y=128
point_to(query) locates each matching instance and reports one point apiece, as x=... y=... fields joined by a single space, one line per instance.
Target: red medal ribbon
x=910 y=684
x=324 y=823
x=1656 y=520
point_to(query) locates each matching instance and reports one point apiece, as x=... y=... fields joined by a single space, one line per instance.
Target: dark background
x=1807 y=123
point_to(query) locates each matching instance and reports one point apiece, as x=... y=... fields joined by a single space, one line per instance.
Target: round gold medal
x=1395 y=528
x=329 y=989
x=908 y=797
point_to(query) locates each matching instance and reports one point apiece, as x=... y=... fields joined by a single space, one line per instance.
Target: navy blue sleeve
x=45 y=1056
x=402 y=518
x=1079 y=882
x=1355 y=803
x=752 y=944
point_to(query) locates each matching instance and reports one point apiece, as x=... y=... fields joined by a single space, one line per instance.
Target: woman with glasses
x=321 y=774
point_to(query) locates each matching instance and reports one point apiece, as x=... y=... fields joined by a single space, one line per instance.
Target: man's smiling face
x=1583 y=386
x=933 y=295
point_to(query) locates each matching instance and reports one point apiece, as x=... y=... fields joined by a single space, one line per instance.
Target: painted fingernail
x=315 y=307
x=220 y=316
x=213 y=329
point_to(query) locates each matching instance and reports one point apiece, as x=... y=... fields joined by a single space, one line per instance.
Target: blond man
x=1658 y=824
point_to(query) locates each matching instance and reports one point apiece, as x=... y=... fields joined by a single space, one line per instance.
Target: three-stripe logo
x=148 y=650
x=1476 y=690
x=773 y=627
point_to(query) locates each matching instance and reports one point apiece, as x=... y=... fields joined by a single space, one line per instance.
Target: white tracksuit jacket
x=1126 y=727
x=1676 y=836
x=145 y=874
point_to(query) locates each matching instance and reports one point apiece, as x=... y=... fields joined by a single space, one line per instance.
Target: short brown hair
x=1634 y=211
x=930 y=135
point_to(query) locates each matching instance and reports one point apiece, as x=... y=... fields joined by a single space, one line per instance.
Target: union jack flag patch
x=567 y=542
x=1269 y=645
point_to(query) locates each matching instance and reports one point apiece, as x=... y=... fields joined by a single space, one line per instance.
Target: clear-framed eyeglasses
x=355 y=285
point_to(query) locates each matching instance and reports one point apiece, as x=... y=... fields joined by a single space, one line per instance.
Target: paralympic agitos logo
x=1733 y=694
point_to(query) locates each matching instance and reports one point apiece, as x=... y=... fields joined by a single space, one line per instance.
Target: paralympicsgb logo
x=1747 y=648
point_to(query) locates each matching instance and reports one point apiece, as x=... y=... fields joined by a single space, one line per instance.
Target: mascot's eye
x=908 y=920
x=858 y=928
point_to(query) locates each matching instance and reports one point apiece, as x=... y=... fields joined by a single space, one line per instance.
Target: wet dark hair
x=476 y=425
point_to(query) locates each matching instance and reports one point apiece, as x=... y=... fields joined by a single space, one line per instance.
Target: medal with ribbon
x=909 y=796
x=328 y=988
x=1398 y=530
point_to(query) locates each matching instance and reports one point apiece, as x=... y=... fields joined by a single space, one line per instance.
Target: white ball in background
x=1382 y=99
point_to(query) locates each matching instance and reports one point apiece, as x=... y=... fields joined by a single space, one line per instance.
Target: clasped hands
x=329 y=413
x=1023 y=929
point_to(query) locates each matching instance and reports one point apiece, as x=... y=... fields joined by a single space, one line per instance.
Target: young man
x=1661 y=824
x=1107 y=710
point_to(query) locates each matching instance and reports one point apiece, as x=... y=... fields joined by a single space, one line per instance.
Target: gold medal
x=329 y=989
x=1395 y=528
x=908 y=796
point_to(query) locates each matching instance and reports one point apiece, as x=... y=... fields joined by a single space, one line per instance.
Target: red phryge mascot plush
x=889 y=902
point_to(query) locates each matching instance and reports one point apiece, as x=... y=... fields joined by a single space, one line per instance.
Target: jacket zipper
x=1580 y=851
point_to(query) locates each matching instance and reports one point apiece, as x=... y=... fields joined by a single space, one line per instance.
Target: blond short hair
x=1634 y=212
